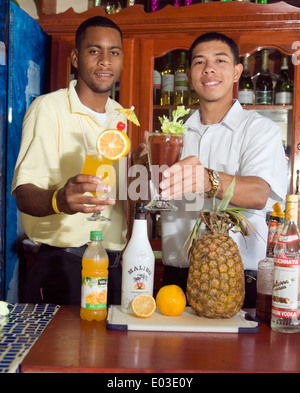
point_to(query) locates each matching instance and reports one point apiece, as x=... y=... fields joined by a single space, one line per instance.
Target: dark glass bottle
x=284 y=88
x=264 y=85
x=246 y=90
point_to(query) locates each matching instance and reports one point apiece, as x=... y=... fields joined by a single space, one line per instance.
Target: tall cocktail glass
x=97 y=165
x=164 y=150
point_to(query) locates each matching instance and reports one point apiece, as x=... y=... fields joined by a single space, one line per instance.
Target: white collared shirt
x=243 y=143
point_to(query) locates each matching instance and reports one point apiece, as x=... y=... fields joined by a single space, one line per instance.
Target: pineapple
x=215 y=285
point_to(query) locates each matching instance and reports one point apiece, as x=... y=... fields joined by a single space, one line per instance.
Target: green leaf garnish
x=175 y=126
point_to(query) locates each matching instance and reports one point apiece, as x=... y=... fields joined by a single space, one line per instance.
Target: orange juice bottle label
x=94 y=293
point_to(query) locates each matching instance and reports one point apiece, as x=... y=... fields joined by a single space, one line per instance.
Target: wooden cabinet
x=151 y=35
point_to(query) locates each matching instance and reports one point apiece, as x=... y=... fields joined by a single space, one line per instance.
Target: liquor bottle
x=285 y=296
x=246 y=90
x=156 y=87
x=167 y=83
x=261 y=1
x=181 y=82
x=275 y=228
x=94 y=280
x=284 y=88
x=138 y=261
x=264 y=84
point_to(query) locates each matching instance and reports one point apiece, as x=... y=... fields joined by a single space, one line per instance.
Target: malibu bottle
x=138 y=261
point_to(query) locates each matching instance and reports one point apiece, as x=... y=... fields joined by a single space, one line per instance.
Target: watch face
x=216 y=175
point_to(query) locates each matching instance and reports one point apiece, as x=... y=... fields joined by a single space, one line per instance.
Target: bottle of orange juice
x=94 y=280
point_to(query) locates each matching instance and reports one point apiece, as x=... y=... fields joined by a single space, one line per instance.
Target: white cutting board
x=188 y=321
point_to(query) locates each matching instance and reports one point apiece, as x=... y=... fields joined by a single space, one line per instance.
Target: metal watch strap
x=214 y=179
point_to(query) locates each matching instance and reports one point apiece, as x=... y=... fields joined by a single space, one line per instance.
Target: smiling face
x=213 y=72
x=99 y=61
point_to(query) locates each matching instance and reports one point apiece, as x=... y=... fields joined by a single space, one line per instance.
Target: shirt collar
x=234 y=116
x=231 y=120
x=76 y=106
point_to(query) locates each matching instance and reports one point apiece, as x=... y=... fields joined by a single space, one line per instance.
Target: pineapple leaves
x=227 y=197
x=219 y=220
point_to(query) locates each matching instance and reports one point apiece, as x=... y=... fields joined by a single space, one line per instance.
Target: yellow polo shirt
x=52 y=150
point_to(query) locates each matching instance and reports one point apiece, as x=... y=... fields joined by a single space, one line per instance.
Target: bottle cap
x=140 y=207
x=96 y=235
x=292 y=198
x=277 y=211
x=140 y=210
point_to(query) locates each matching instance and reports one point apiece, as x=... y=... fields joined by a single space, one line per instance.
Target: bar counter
x=70 y=345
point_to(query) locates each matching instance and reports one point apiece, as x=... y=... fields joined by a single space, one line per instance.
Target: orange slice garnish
x=113 y=144
x=143 y=306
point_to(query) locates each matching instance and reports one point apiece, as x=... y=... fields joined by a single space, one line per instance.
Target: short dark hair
x=214 y=36
x=96 y=21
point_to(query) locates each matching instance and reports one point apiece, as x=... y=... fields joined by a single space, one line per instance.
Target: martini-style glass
x=163 y=150
x=97 y=165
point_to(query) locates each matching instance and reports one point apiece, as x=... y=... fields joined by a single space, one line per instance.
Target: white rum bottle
x=285 y=296
x=138 y=261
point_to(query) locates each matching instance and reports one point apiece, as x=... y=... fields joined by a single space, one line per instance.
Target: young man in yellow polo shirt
x=51 y=157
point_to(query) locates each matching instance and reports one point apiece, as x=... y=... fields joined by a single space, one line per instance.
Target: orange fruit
x=143 y=306
x=113 y=144
x=171 y=300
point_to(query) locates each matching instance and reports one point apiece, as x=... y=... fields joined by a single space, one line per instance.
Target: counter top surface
x=69 y=344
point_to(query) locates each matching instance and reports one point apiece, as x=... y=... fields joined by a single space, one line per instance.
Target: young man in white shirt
x=222 y=141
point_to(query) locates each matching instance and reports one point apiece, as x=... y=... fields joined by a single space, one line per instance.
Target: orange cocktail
x=97 y=165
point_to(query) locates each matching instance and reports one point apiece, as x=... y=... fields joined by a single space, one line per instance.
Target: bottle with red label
x=285 y=295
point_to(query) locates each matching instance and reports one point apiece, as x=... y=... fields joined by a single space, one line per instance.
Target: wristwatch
x=214 y=177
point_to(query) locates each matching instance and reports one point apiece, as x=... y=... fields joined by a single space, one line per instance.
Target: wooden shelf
x=273 y=107
x=172 y=107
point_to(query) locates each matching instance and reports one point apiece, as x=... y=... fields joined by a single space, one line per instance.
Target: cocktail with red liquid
x=164 y=150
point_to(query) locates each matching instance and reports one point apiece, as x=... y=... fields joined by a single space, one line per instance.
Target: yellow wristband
x=54 y=202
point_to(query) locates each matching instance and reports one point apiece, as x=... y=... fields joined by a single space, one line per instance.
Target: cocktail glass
x=164 y=150
x=97 y=165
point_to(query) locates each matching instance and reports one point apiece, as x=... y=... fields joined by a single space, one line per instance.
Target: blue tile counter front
x=19 y=331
